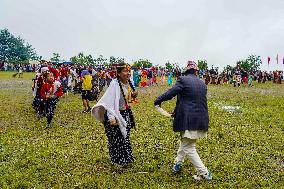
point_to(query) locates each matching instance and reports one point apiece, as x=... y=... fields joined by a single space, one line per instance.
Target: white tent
x=36 y=62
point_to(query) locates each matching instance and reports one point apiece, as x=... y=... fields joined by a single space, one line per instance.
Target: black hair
x=120 y=67
x=120 y=86
x=131 y=85
x=45 y=75
x=190 y=71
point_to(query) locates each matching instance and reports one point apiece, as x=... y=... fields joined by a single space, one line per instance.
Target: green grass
x=243 y=149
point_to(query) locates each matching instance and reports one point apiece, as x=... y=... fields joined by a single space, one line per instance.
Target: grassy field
x=244 y=149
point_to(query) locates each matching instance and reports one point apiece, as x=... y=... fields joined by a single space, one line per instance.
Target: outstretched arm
x=170 y=93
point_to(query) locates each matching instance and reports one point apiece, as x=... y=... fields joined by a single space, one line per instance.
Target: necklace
x=123 y=94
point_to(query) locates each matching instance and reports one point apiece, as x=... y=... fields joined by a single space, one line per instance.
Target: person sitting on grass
x=190 y=118
x=86 y=79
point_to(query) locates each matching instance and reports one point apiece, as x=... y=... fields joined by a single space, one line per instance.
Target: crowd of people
x=47 y=89
x=52 y=81
x=91 y=80
x=144 y=77
x=4 y=66
x=240 y=76
x=113 y=109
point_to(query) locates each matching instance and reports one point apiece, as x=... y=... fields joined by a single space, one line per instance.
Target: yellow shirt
x=87 y=82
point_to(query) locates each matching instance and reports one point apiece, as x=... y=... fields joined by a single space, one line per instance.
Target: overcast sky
x=220 y=31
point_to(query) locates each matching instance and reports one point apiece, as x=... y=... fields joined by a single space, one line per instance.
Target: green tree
x=202 y=64
x=243 y=64
x=101 y=60
x=169 y=65
x=15 y=49
x=120 y=60
x=143 y=63
x=113 y=60
x=79 y=59
x=252 y=62
x=55 y=57
x=89 y=60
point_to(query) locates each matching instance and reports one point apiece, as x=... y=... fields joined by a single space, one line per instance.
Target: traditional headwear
x=191 y=65
x=127 y=66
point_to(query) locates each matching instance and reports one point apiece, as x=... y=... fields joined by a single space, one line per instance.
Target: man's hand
x=157 y=104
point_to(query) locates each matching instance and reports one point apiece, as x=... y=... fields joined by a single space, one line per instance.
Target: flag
x=277 y=58
x=268 y=60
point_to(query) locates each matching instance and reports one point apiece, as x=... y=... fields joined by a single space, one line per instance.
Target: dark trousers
x=50 y=106
x=39 y=104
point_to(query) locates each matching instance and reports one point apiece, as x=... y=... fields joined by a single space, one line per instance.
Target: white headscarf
x=110 y=103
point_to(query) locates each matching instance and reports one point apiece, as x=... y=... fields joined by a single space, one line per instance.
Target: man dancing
x=190 y=118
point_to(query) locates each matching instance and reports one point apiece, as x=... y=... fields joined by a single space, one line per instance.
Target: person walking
x=50 y=93
x=190 y=118
x=86 y=79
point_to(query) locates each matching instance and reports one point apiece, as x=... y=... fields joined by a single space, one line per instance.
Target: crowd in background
x=240 y=76
x=4 y=66
x=144 y=77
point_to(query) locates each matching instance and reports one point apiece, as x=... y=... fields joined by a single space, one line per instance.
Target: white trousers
x=187 y=149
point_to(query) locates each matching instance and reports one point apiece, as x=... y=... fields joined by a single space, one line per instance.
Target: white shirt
x=193 y=134
x=121 y=100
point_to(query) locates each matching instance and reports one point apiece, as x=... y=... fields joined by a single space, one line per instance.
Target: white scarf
x=110 y=103
x=54 y=89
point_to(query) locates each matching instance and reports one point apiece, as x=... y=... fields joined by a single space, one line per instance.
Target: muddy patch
x=14 y=84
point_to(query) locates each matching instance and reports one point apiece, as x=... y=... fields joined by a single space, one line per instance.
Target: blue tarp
x=65 y=62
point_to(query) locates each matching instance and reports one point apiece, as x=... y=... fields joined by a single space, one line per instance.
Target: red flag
x=268 y=60
x=277 y=58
